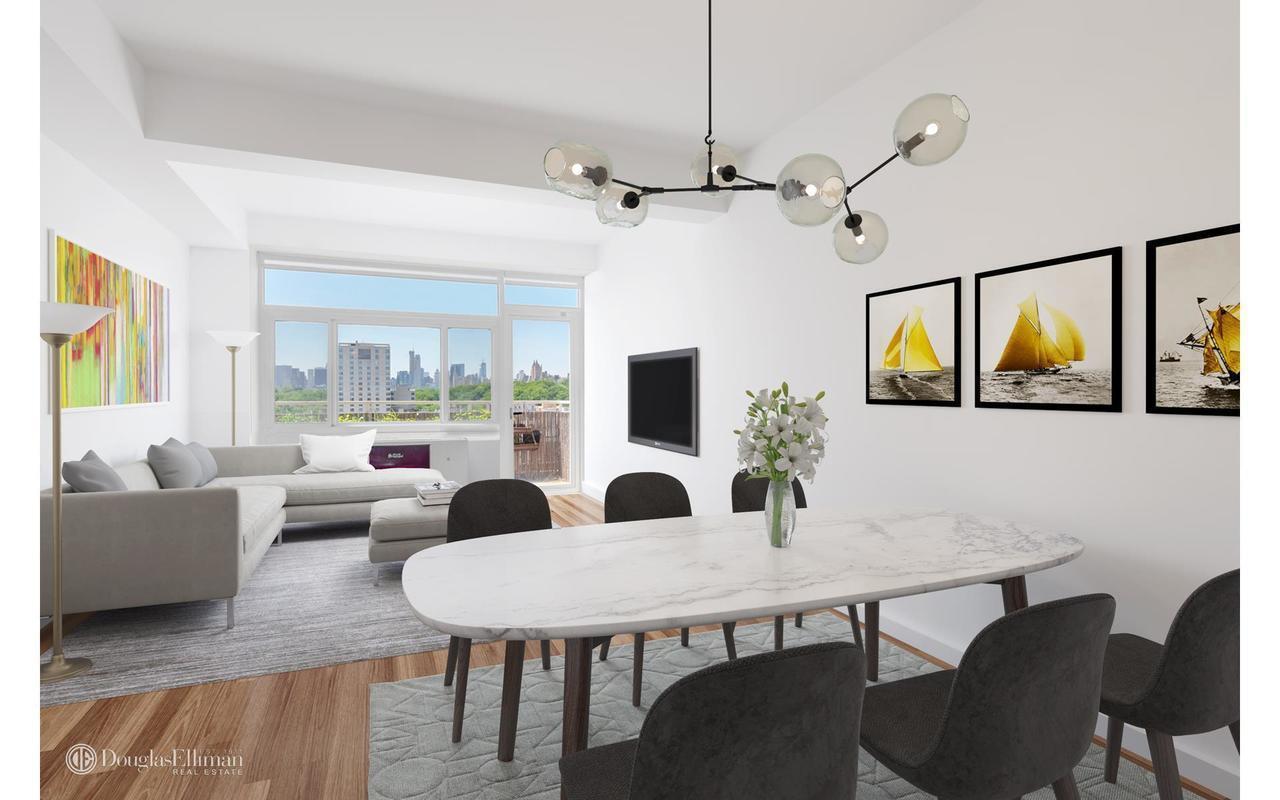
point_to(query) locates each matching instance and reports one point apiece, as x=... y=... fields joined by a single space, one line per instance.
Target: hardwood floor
x=301 y=734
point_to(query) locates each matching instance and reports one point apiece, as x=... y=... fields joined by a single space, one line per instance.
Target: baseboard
x=1199 y=772
x=594 y=491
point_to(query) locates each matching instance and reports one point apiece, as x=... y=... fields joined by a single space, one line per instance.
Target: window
x=292 y=287
x=470 y=379
x=387 y=373
x=301 y=372
x=395 y=345
x=527 y=294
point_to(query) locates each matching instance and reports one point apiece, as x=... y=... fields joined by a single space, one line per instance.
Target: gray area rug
x=310 y=603
x=411 y=757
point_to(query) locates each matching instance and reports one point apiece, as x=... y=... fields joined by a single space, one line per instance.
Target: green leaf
x=820 y=395
x=750 y=394
x=785 y=390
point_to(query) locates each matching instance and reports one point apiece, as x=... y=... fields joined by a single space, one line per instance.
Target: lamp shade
x=70 y=318
x=233 y=338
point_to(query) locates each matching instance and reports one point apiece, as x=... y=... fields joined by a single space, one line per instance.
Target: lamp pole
x=232 y=350
x=58 y=666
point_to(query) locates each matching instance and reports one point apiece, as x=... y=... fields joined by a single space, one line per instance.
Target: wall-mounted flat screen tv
x=662 y=395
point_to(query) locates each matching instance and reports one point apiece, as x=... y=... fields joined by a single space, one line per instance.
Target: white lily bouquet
x=783 y=439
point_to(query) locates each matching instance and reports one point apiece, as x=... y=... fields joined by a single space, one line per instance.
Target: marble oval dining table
x=584 y=582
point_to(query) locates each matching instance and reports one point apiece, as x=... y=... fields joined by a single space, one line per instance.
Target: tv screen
x=662 y=402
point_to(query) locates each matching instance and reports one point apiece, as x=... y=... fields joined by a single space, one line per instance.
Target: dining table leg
x=577 y=695
x=512 y=672
x=873 y=641
x=1015 y=593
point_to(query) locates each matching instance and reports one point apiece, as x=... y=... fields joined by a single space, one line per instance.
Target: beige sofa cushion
x=339 y=487
x=405 y=518
x=259 y=506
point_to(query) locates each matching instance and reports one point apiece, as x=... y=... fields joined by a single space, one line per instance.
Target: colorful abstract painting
x=124 y=359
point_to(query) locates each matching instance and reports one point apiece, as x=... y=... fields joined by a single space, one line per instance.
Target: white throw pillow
x=336 y=453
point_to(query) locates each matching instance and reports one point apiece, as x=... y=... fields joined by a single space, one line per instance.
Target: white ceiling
x=637 y=67
x=432 y=115
x=255 y=192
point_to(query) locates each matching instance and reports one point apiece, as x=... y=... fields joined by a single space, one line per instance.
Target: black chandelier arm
x=879 y=167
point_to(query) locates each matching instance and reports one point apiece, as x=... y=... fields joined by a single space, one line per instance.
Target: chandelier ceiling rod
x=810 y=189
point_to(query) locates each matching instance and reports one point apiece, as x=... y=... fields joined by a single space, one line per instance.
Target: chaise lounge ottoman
x=400 y=527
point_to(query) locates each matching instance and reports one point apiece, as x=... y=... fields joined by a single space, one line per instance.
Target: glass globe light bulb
x=721 y=156
x=578 y=170
x=931 y=129
x=863 y=242
x=809 y=189
x=612 y=208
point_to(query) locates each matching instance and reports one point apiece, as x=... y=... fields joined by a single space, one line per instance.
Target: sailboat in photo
x=1030 y=349
x=1219 y=342
x=909 y=348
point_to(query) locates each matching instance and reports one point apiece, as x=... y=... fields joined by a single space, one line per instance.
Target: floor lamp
x=58 y=323
x=233 y=341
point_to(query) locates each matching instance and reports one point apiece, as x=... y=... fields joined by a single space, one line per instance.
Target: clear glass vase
x=780 y=513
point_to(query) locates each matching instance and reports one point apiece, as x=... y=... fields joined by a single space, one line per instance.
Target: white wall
x=81 y=207
x=1094 y=124
x=225 y=285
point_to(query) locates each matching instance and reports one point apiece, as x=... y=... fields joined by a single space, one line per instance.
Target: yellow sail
x=918 y=355
x=1226 y=335
x=1069 y=339
x=893 y=353
x=1025 y=349
x=1053 y=357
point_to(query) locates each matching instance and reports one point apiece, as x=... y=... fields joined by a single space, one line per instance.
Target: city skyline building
x=364 y=377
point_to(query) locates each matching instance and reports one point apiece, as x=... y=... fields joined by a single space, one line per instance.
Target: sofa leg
x=279 y=539
x=377 y=574
x=231 y=613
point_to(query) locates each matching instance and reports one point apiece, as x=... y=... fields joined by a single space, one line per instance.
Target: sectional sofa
x=148 y=546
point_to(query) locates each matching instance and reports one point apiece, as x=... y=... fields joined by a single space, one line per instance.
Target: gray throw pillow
x=208 y=467
x=175 y=466
x=92 y=474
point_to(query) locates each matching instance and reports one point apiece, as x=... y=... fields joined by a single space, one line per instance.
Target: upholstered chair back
x=1196 y=687
x=748 y=493
x=779 y=725
x=645 y=495
x=489 y=508
x=1024 y=701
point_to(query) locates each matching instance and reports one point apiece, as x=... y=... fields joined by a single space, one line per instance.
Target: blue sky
x=304 y=344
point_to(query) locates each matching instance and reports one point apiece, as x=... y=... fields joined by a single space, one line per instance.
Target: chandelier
x=810 y=189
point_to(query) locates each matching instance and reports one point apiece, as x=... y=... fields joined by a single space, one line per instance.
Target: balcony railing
x=543 y=446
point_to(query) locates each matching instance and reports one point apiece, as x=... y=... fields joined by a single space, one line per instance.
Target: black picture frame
x=1117 y=350
x=954 y=402
x=1153 y=255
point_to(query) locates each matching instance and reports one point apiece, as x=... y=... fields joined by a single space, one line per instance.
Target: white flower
x=782 y=464
x=762 y=398
x=795 y=450
x=771 y=428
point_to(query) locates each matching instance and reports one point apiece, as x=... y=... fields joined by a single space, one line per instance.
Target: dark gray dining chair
x=651 y=495
x=748 y=494
x=1188 y=685
x=781 y=725
x=489 y=508
x=1017 y=714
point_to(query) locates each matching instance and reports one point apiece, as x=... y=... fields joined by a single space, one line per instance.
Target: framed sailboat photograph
x=1048 y=334
x=1193 y=323
x=913 y=345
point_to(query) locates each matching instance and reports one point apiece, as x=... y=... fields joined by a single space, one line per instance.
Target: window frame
x=498 y=326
